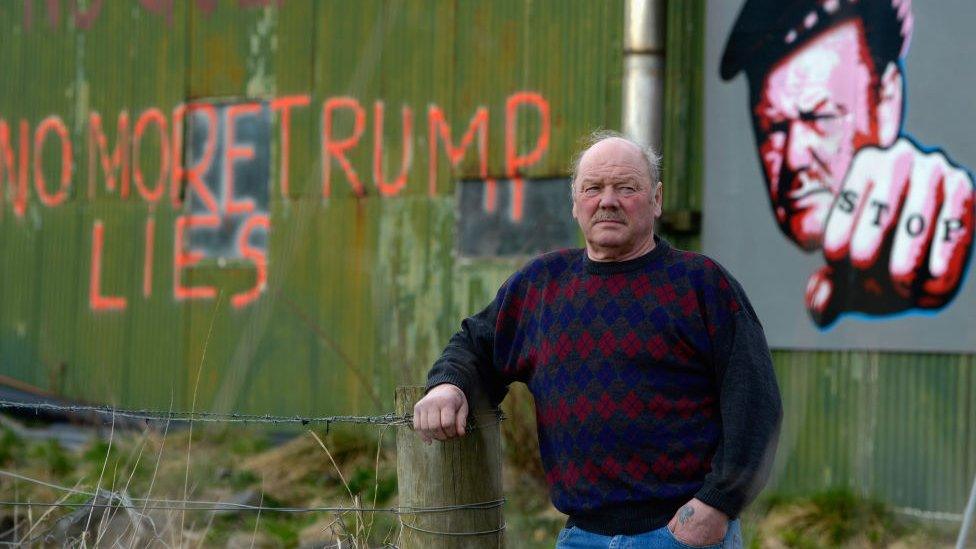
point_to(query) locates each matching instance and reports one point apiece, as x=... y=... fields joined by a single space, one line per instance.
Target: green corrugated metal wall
x=897 y=426
x=363 y=291
x=894 y=425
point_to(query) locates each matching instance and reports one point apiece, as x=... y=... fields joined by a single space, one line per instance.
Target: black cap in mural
x=766 y=30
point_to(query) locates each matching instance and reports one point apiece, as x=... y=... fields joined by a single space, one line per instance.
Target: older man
x=656 y=401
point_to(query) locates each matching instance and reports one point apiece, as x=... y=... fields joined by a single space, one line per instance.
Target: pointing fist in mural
x=898 y=235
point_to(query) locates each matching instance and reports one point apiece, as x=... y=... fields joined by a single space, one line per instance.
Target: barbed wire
x=212 y=417
x=388 y=418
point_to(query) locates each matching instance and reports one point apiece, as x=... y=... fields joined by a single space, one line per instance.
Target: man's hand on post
x=441 y=414
x=898 y=236
x=697 y=523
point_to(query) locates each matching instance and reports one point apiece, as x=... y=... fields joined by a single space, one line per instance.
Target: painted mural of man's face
x=815 y=108
x=894 y=220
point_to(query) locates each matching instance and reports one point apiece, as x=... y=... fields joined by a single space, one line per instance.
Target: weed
x=838 y=517
x=97 y=452
x=284 y=529
x=10 y=445
x=53 y=457
x=363 y=482
x=240 y=479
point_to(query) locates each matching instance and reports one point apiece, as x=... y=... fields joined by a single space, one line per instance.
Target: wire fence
x=107 y=499
x=117 y=500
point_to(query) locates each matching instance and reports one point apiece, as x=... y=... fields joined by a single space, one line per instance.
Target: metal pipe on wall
x=643 y=86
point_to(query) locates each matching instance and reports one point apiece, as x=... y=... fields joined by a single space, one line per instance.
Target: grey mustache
x=607 y=216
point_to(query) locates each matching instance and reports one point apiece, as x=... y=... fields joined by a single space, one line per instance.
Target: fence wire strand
x=439 y=533
x=389 y=418
x=116 y=500
x=211 y=417
x=191 y=505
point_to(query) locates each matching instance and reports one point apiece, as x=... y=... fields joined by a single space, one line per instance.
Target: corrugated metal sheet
x=896 y=426
x=363 y=291
x=682 y=126
x=683 y=98
x=34 y=299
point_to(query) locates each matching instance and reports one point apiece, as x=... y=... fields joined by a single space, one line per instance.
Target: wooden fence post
x=466 y=470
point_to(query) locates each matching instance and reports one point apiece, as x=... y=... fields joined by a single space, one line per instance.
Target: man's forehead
x=612 y=174
x=615 y=155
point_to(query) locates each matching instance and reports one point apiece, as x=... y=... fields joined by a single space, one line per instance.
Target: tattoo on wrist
x=685 y=513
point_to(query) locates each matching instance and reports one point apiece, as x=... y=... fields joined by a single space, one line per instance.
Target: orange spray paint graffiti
x=207 y=154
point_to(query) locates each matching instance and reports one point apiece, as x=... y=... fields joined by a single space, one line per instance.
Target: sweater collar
x=661 y=248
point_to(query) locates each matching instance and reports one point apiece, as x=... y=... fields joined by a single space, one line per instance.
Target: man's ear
x=658 y=198
x=890 y=102
x=572 y=196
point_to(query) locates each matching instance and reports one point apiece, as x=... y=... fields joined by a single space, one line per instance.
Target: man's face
x=816 y=108
x=615 y=202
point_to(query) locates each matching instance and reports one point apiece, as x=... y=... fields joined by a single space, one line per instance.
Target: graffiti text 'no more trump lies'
x=212 y=166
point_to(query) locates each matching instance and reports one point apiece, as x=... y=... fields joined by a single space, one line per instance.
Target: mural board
x=838 y=157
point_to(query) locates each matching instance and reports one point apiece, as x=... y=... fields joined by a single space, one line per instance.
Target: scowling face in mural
x=815 y=109
x=893 y=220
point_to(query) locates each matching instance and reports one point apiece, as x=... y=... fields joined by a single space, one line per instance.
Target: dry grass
x=226 y=464
x=836 y=518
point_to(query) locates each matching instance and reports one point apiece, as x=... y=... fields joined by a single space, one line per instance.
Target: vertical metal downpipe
x=967 y=519
x=643 y=85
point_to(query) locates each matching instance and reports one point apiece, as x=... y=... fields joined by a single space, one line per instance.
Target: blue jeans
x=662 y=538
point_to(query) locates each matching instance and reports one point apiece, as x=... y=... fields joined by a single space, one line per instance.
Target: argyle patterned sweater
x=652 y=382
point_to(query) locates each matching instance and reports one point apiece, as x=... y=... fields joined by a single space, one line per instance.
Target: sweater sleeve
x=750 y=408
x=468 y=359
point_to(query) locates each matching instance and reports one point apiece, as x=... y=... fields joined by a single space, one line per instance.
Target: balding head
x=603 y=141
